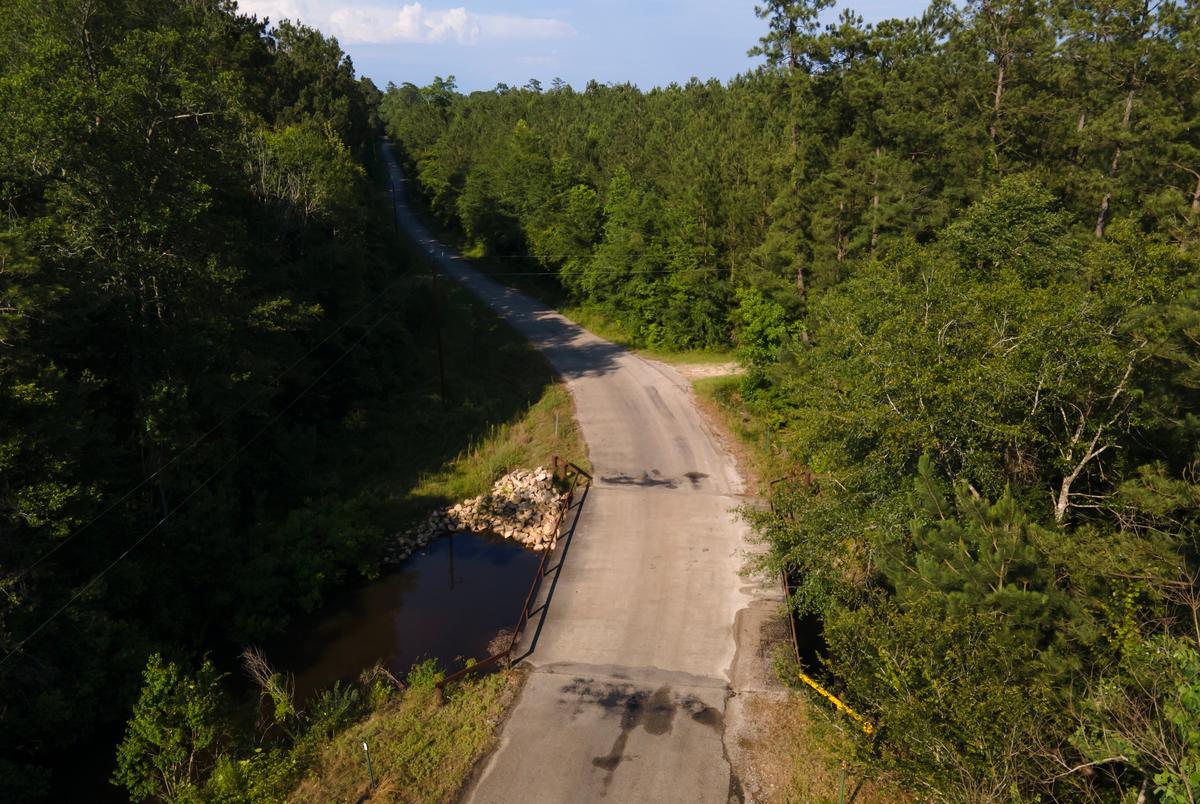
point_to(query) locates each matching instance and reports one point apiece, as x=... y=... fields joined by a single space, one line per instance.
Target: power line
x=80 y=592
x=228 y=417
x=533 y=257
x=605 y=271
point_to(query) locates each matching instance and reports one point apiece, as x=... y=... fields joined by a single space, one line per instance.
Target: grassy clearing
x=690 y=356
x=420 y=751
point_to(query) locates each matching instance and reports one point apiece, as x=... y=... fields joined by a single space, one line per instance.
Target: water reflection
x=444 y=604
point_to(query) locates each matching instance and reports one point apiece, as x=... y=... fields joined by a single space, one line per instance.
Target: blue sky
x=483 y=42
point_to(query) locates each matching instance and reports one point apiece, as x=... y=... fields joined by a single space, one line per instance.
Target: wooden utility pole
x=437 y=325
x=395 y=211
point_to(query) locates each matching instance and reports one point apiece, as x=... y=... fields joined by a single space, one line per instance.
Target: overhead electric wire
x=558 y=274
x=80 y=592
x=228 y=417
x=522 y=257
x=614 y=271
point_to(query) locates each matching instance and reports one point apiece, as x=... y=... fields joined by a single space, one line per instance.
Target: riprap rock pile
x=523 y=505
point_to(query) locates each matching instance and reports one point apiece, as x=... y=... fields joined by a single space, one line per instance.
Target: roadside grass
x=690 y=357
x=420 y=751
x=451 y=398
x=477 y=401
x=752 y=440
x=799 y=744
x=503 y=407
x=799 y=750
x=546 y=429
x=597 y=322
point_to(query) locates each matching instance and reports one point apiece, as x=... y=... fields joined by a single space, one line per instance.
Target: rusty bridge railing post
x=576 y=473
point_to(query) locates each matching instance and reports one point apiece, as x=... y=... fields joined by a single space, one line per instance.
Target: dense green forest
x=201 y=340
x=677 y=210
x=958 y=256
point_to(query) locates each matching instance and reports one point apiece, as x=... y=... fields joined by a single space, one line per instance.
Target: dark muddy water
x=446 y=603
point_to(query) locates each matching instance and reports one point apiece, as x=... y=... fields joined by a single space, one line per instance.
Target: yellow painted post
x=837 y=702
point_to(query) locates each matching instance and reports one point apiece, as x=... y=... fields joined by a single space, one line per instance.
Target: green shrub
x=425 y=675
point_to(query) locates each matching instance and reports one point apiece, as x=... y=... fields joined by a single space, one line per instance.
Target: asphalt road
x=636 y=661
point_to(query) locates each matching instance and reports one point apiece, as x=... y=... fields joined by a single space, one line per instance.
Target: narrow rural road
x=652 y=632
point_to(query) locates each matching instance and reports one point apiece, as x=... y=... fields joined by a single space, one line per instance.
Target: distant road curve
x=635 y=663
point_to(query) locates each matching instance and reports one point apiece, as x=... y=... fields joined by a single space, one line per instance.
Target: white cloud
x=503 y=26
x=411 y=22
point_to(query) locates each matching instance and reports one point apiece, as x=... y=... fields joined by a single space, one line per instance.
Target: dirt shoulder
x=783 y=745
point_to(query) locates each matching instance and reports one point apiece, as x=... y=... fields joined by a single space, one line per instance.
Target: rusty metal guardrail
x=575 y=477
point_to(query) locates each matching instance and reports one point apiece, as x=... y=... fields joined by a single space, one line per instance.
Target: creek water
x=445 y=603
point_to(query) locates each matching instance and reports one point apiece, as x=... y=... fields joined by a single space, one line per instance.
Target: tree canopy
x=195 y=304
